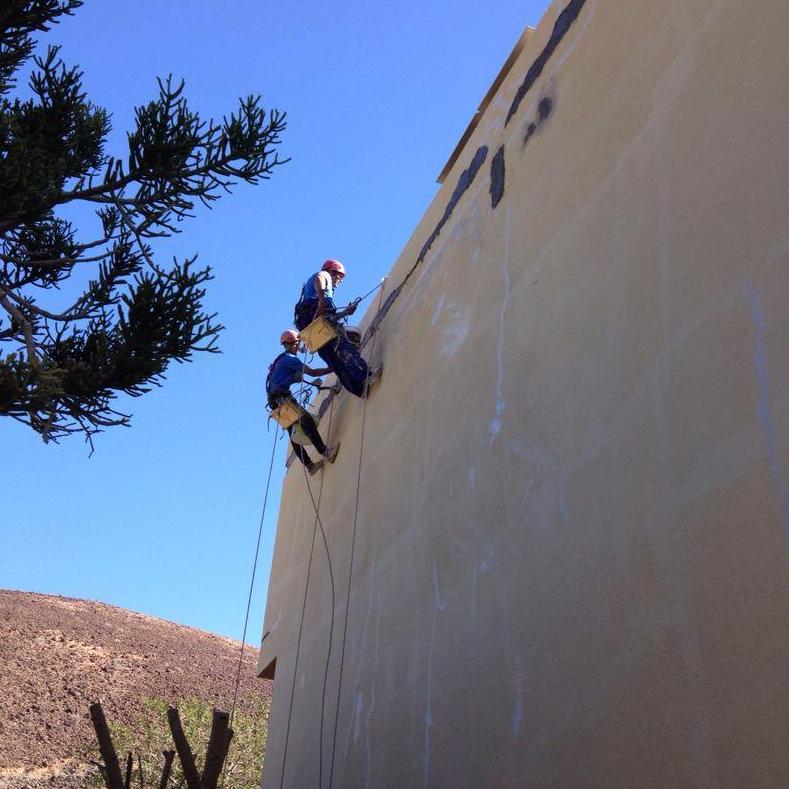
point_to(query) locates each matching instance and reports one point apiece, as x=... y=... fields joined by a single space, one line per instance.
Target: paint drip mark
x=760 y=363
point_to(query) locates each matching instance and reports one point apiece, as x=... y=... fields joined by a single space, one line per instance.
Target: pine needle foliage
x=62 y=367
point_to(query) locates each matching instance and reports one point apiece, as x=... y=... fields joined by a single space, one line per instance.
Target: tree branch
x=32 y=357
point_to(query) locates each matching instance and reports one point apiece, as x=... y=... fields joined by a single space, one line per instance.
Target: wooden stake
x=168 y=764
x=129 y=764
x=112 y=768
x=218 y=745
x=184 y=751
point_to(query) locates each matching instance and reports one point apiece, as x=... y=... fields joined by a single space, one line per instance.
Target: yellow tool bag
x=318 y=333
x=287 y=413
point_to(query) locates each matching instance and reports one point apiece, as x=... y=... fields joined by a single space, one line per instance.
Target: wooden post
x=218 y=745
x=112 y=768
x=168 y=764
x=184 y=751
x=129 y=764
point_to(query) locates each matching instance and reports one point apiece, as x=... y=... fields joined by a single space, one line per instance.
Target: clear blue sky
x=163 y=518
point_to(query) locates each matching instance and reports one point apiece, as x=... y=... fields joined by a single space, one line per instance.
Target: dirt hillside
x=58 y=655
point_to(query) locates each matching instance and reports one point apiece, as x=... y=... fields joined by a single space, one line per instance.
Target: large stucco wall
x=570 y=560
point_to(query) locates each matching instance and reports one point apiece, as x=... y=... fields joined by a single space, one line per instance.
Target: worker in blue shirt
x=342 y=356
x=286 y=370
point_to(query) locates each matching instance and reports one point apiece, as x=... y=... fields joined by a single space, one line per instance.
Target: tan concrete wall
x=570 y=567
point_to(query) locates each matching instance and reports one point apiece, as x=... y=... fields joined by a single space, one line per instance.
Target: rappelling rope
x=252 y=579
x=331 y=622
x=318 y=523
x=251 y=589
x=331 y=580
x=353 y=551
x=360 y=299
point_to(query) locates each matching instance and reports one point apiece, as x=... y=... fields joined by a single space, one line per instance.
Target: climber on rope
x=342 y=356
x=287 y=369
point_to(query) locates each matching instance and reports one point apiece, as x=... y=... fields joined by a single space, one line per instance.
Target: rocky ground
x=58 y=655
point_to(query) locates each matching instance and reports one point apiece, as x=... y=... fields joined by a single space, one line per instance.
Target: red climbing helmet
x=335 y=266
x=291 y=335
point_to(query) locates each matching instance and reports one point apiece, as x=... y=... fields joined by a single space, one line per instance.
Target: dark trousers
x=347 y=364
x=308 y=425
x=341 y=355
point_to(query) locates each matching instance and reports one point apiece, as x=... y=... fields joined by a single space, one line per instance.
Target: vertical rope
x=251 y=589
x=252 y=579
x=333 y=597
x=316 y=507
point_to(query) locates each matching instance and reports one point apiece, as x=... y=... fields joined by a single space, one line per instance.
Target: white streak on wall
x=437 y=311
x=563 y=508
x=473 y=592
x=454 y=331
x=517 y=712
x=454 y=326
x=357 y=714
x=760 y=363
x=277 y=621
x=528 y=490
x=495 y=424
x=437 y=606
x=361 y=663
x=371 y=706
x=437 y=601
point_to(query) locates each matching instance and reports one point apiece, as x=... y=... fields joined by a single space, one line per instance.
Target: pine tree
x=62 y=368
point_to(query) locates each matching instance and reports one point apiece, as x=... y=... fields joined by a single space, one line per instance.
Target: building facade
x=565 y=562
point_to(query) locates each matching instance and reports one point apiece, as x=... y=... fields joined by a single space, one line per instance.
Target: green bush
x=149 y=735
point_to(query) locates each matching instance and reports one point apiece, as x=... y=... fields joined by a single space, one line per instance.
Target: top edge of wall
x=492 y=90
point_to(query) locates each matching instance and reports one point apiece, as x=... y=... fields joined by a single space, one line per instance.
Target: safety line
x=371 y=291
x=251 y=589
x=350 y=568
x=252 y=580
x=333 y=598
x=318 y=522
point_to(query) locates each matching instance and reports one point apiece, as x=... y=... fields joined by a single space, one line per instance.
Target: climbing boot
x=314 y=467
x=331 y=453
